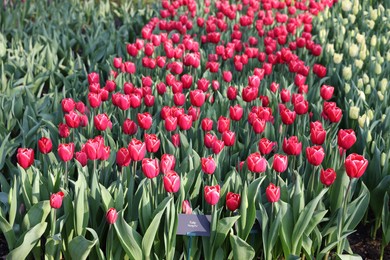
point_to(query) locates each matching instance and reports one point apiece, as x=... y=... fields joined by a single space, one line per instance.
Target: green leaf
x=287 y=227
x=223 y=227
x=376 y=198
x=357 y=208
x=80 y=247
x=80 y=205
x=386 y=220
x=107 y=200
x=304 y=220
x=150 y=233
x=129 y=238
x=37 y=214
x=241 y=249
x=28 y=241
x=7 y=231
x=348 y=257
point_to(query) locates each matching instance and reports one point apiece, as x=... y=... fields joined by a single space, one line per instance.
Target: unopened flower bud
x=346 y=5
x=360 y=83
x=361 y=94
x=383 y=85
x=347 y=88
x=370 y=114
x=354 y=112
x=366 y=79
x=380 y=96
x=359 y=64
x=337 y=58
x=378 y=69
x=383 y=159
x=360 y=38
x=369 y=138
x=347 y=73
x=367 y=91
x=362 y=120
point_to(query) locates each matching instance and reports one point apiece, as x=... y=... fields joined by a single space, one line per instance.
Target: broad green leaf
x=150 y=233
x=81 y=205
x=7 y=231
x=386 y=220
x=37 y=214
x=286 y=228
x=241 y=249
x=348 y=257
x=28 y=241
x=304 y=220
x=129 y=238
x=357 y=208
x=107 y=200
x=80 y=247
x=223 y=227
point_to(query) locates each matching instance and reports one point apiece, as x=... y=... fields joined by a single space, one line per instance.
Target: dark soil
x=362 y=244
x=3 y=247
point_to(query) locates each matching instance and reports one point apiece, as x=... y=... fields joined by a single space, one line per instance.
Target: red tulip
x=175 y=139
x=223 y=124
x=256 y=163
x=280 y=163
x=285 y=95
x=123 y=157
x=328 y=176
x=292 y=146
x=56 y=200
x=197 y=97
x=227 y=76
x=315 y=155
x=272 y=193
x=231 y=93
x=67 y=104
x=209 y=140
x=144 y=120
x=332 y=112
x=82 y=158
x=179 y=99
x=217 y=146
x=111 y=216
x=93 y=77
x=229 y=138
x=93 y=149
x=258 y=125
x=167 y=163
x=170 y=123
x=266 y=146
x=129 y=127
x=355 y=165
x=287 y=116
x=66 y=151
x=211 y=194
x=194 y=112
x=185 y=122
x=233 y=201
x=301 y=106
x=94 y=100
x=25 y=157
x=101 y=122
x=63 y=130
x=346 y=138
x=152 y=143
x=186 y=79
x=317 y=133
x=150 y=167
x=137 y=149
x=326 y=92
x=171 y=182
x=207 y=124
x=186 y=207
x=208 y=165
x=236 y=112
x=45 y=145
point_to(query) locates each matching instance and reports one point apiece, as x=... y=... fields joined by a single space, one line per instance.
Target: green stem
x=53 y=222
x=66 y=176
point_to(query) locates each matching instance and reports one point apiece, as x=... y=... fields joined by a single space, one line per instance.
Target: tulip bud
x=56 y=200
x=328 y=176
x=186 y=207
x=280 y=163
x=111 y=216
x=171 y=182
x=211 y=194
x=45 y=145
x=272 y=193
x=354 y=112
x=233 y=201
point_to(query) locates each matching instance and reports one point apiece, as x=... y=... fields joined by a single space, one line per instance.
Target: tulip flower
x=152 y=143
x=67 y=105
x=233 y=201
x=223 y=124
x=66 y=151
x=207 y=124
x=63 y=130
x=144 y=120
x=346 y=138
x=25 y=157
x=137 y=149
x=292 y=146
x=150 y=167
x=266 y=146
x=56 y=200
x=280 y=163
x=171 y=181
x=111 y=216
x=101 y=122
x=129 y=127
x=167 y=163
x=208 y=165
x=211 y=194
x=355 y=165
x=45 y=145
x=123 y=157
x=328 y=176
x=272 y=193
x=256 y=163
x=186 y=207
x=315 y=155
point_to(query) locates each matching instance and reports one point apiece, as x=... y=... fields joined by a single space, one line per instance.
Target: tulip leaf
x=80 y=205
x=377 y=194
x=150 y=233
x=37 y=214
x=348 y=257
x=223 y=227
x=304 y=220
x=107 y=200
x=357 y=208
x=287 y=227
x=241 y=249
x=129 y=238
x=3 y=152
x=386 y=220
x=337 y=190
x=7 y=231
x=80 y=247
x=28 y=241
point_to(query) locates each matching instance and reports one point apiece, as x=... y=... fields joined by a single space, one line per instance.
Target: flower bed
x=224 y=109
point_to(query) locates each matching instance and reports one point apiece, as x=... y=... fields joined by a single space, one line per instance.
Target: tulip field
x=119 y=120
